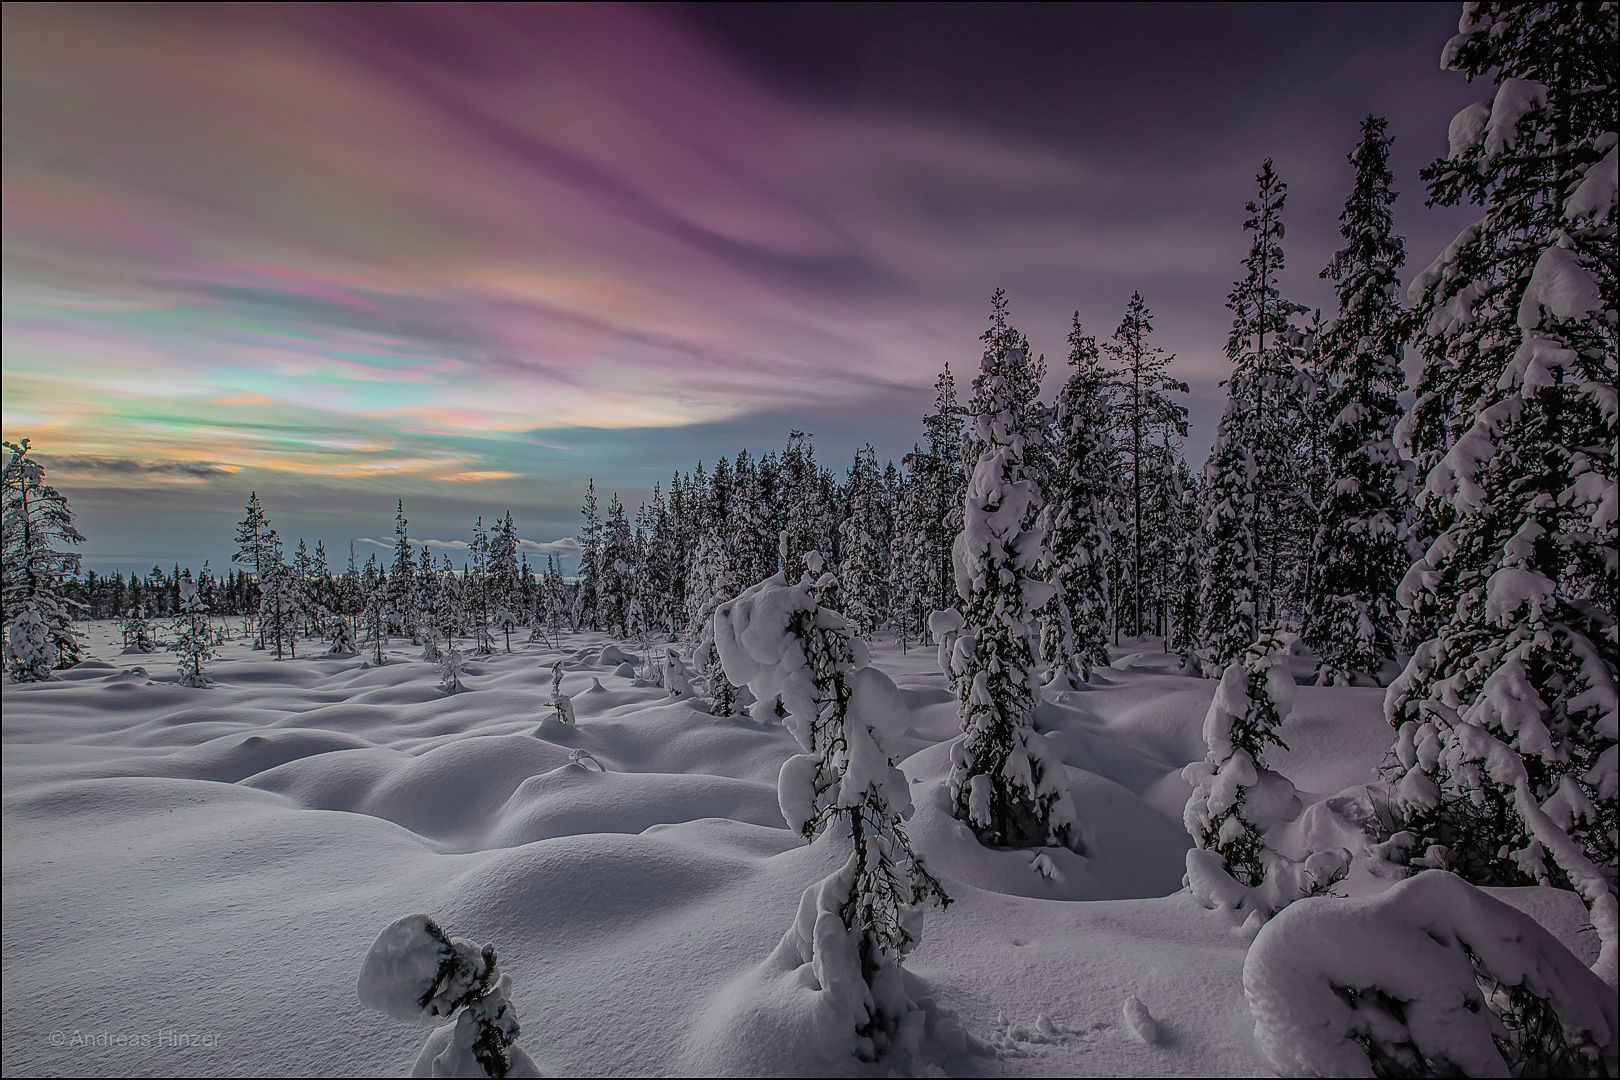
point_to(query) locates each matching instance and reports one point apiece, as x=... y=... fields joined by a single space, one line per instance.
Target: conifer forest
x=1051 y=745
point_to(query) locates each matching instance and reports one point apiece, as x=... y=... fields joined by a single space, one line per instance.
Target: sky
x=470 y=256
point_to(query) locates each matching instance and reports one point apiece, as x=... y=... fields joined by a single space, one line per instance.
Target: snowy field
x=193 y=877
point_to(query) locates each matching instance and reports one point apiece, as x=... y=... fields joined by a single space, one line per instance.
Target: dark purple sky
x=471 y=255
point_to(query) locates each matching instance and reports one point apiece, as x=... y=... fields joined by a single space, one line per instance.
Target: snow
x=1315 y=972
x=219 y=862
x=1561 y=287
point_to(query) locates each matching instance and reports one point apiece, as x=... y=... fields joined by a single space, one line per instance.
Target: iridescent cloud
x=443 y=246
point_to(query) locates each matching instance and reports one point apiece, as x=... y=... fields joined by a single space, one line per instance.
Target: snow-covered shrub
x=194 y=641
x=1005 y=784
x=433 y=640
x=136 y=630
x=1236 y=799
x=415 y=973
x=562 y=705
x=450 y=668
x=676 y=683
x=1431 y=978
x=341 y=636
x=29 y=653
x=854 y=928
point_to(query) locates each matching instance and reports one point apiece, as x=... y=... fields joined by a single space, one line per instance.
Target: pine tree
x=1507 y=712
x=35 y=528
x=1362 y=549
x=1074 y=633
x=1005 y=783
x=1228 y=579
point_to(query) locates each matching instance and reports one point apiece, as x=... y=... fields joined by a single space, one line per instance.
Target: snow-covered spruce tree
x=1508 y=713
x=1005 y=783
x=278 y=600
x=35 y=528
x=414 y=972
x=476 y=582
x=1143 y=408
x=1235 y=799
x=1228 y=581
x=911 y=571
x=449 y=663
x=1185 y=574
x=853 y=929
x=402 y=581
x=861 y=570
x=1074 y=631
x=253 y=543
x=615 y=586
x=136 y=630
x=373 y=603
x=1362 y=546
x=1262 y=347
x=945 y=482
x=193 y=637
x=504 y=583
x=590 y=562
x=1430 y=978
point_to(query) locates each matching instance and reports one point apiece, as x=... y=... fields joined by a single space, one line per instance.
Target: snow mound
x=1339 y=986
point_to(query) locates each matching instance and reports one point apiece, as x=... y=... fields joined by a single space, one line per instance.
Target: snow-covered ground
x=192 y=877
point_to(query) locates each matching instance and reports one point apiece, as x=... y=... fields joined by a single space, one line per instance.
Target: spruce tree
x=1228 y=579
x=590 y=559
x=1005 y=784
x=253 y=550
x=193 y=635
x=911 y=569
x=1074 y=631
x=402 y=579
x=856 y=926
x=1507 y=742
x=943 y=477
x=1145 y=409
x=1362 y=547
x=36 y=528
x=1262 y=348
x=505 y=588
x=615 y=573
x=861 y=552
